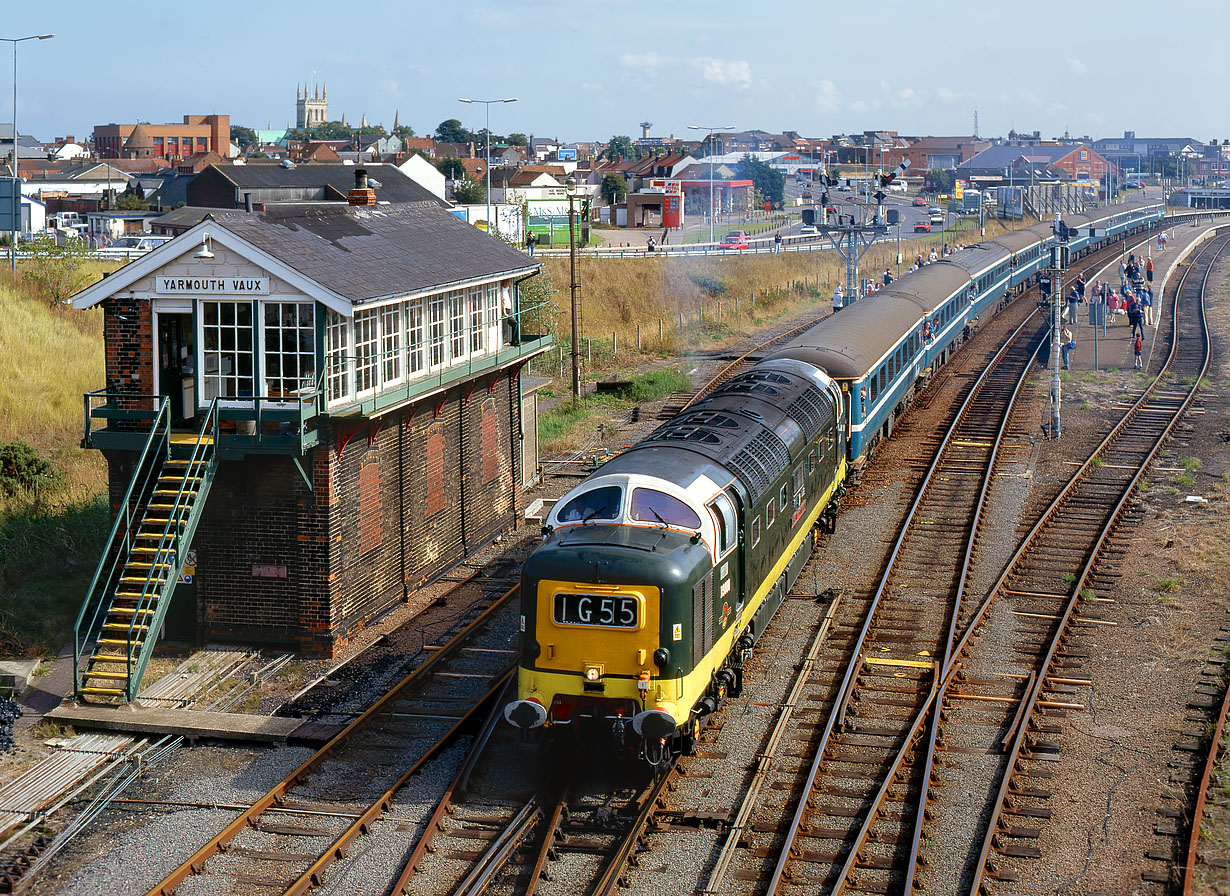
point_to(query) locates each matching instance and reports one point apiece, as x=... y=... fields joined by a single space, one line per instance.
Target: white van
x=897 y=186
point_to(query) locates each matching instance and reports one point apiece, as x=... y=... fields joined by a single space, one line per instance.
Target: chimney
x=362 y=194
x=247 y=202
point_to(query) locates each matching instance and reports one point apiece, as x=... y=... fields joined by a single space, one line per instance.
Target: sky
x=585 y=70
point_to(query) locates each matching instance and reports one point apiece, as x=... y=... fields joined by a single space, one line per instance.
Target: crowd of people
x=1133 y=299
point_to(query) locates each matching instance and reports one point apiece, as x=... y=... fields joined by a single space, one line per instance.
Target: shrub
x=23 y=470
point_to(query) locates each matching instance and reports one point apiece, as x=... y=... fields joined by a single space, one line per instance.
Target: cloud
x=827 y=96
x=724 y=71
x=727 y=72
x=388 y=85
x=1077 y=67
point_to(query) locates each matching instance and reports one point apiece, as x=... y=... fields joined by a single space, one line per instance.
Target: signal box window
x=652 y=506
x=595 y=504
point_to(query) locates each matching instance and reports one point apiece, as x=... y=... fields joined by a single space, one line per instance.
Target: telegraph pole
x=1059 y=257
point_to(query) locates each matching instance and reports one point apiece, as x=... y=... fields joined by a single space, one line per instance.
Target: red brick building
x=347 y=379
x=197 y=134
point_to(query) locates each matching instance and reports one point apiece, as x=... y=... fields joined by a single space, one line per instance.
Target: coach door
x=727 y=585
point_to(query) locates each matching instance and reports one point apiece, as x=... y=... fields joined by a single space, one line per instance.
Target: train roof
x=848 y=344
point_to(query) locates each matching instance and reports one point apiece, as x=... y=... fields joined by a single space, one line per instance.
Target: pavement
x=1110 y=348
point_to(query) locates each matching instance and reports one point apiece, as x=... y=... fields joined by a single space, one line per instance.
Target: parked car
x=922 y=225
x=1133 y=185
x=919 y=201
x=808 y=230
x=736 y=239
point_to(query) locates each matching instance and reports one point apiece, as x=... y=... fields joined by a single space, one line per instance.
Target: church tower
x=311 y=106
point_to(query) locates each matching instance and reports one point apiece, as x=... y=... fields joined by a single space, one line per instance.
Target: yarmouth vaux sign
x=213 y=286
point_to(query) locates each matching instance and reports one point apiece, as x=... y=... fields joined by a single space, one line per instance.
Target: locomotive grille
x=702 y=618
x=812 y=412
x=761 y=461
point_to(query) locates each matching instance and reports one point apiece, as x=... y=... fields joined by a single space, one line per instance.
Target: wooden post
x=638 y=337
x=614 y=343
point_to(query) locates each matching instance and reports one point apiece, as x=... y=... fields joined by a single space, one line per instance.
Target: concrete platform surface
x=187 y=722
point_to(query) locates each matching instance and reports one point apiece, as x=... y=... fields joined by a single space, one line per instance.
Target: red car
x=918 y=200
x=736 y=239
x=923 y=226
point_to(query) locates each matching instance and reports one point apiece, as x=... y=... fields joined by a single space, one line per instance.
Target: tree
x=132 y=202
x=518 y=140
x=56 y=272
x=940 y=179
x=404 y=131
x=243 y=137
x=620 y=147
x=451 y=168
x=452 y=131
x=469 y=192
x=613 y=186
x=766 y=180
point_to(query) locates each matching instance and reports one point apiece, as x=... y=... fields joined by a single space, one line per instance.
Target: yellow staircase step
x=109 y=658
x=118 y=642
x=94 y=673
x=130 y=611
x=107 y=692
x=124 y=626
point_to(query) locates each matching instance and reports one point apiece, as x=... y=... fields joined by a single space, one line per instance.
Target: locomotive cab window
x=756 y=531
x=768 y=513
x=723 y=510
x=596 y=504
x=652 y=506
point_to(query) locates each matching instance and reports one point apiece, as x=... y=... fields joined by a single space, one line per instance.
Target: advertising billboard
x=548 y=219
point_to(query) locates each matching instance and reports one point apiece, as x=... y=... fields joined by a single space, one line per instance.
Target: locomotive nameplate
x=602 y=610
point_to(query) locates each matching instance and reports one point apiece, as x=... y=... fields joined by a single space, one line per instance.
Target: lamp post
x=571 y=187
x=712 y=131
x=487 y=127
x=16 y=181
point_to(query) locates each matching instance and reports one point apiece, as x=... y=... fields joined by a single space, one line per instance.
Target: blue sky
x=584 y=70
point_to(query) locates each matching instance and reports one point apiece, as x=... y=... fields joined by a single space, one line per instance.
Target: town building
x=336 y=408
x=198 y=133
x=236 y=186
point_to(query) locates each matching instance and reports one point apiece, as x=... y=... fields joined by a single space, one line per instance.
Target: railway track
x=1050 y=588
x=353 y=780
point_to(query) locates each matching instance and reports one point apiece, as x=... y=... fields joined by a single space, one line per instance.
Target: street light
x=571 y=189
x=488 y=103
x=698 y=127
x=16 y=182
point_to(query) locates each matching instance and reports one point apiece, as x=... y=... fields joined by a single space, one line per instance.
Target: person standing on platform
x=1066 y=344
x=1146 y=305
x=837 y=298
x=1135 y=316
x=1149 y=271
x=1074 y=301
x=888 y=277
x=1138 y=349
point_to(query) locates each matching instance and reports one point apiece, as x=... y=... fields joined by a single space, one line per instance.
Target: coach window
x=883 y=380
x=723 y=510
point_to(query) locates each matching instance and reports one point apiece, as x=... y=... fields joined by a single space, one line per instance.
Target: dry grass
x=49 y=357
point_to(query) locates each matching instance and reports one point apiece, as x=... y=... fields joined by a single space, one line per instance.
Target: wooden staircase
x=132 y=588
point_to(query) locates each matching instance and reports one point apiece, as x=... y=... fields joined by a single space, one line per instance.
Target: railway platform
x=1110 y=348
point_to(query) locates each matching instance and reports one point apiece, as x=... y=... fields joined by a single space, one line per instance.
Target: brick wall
x=128 y=341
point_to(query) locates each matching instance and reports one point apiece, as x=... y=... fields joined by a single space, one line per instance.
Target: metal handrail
x=203 y=453
x=159 y=439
